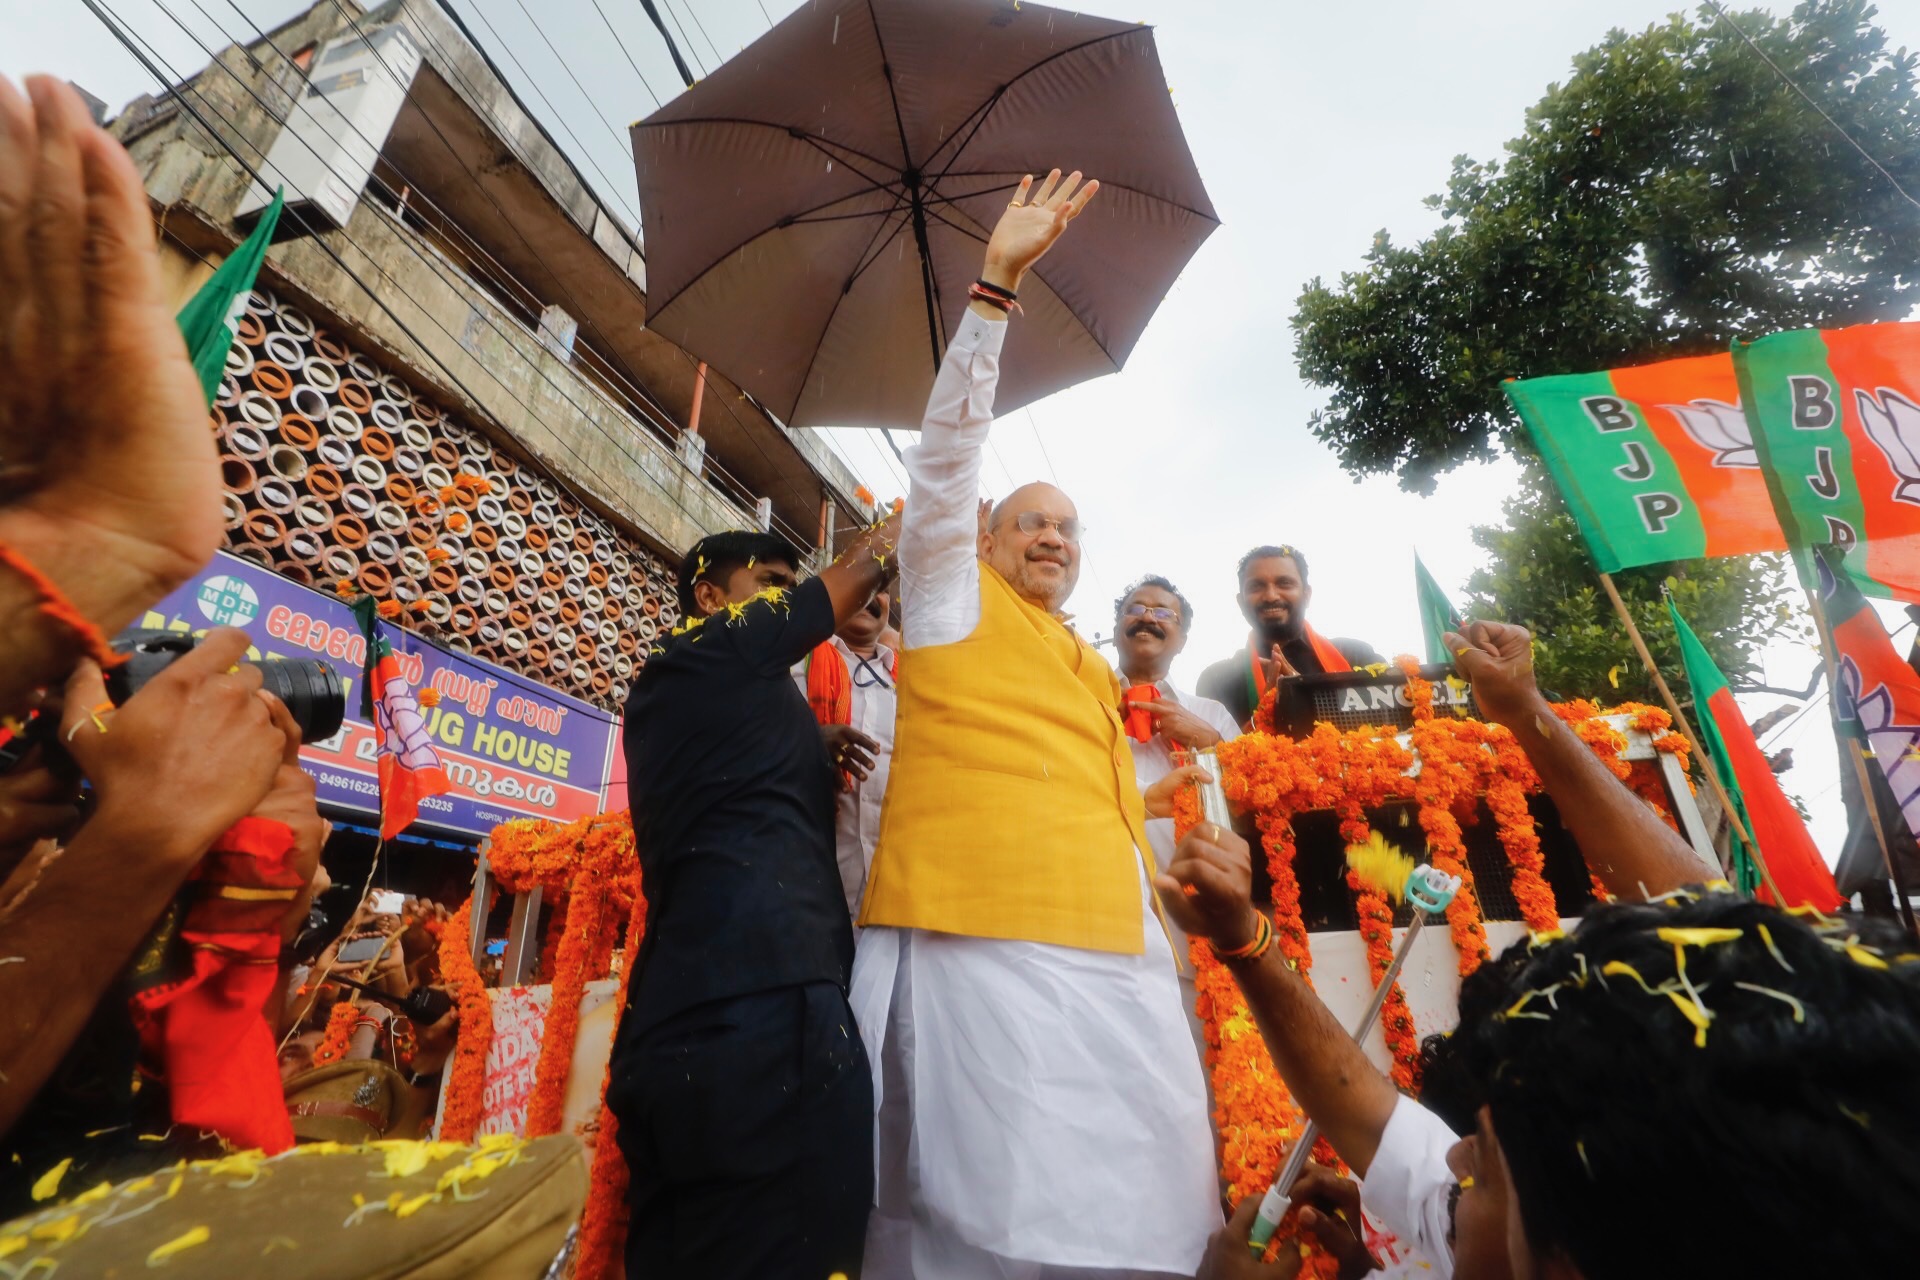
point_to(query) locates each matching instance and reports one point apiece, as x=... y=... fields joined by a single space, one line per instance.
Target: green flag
x=1653 y=460
x=1437 y=614
x=1733 y=754
x=207 y=320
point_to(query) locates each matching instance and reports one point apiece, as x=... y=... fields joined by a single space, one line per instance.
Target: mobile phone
x=388 y=903
x=360 y=950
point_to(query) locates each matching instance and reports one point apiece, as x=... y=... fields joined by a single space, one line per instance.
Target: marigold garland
x=466 y=1072
x=603 y=1225
x=340 y=1024
x=1353 y=772
x=1507 y=791
x=1375 y=921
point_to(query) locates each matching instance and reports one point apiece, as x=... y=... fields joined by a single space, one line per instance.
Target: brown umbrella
x=815 y=209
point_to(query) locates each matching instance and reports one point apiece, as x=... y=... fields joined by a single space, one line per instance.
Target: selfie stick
x=1429 y=891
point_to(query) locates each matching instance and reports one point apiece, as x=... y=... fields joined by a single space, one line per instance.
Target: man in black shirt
x=743 y=1094
x=1273 y=598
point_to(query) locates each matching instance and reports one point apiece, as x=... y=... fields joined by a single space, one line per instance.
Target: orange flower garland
x=1376 y=930
x=467 y=1070
x=1507 y=791
x=340 y=1024
x=1353 y=772
x=548 y=1097
x=603 y=1224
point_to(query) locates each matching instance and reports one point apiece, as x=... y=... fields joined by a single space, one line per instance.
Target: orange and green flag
x=1733 y=753
x=1655 y=461
x=1835 y=419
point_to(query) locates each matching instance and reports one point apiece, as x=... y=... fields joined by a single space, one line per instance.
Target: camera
x=311 y=689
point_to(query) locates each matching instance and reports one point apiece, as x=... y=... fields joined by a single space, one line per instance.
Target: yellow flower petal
x=1861 y=956
x=60 y=1229
x=47 y=1185
x=1698 y=937
x=410 y=1207
x=1695 y=1014
x=12 y=1245
x=408 y=1160
x=179 y=1244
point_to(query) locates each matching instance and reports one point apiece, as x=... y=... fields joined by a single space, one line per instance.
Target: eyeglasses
x=1032 y=522
x=1152 y=611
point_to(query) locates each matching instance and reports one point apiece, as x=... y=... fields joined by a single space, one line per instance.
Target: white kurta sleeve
x=939 y=564
x=1408 y=1183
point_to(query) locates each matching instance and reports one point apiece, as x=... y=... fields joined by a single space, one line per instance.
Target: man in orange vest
x=1274 y=593
x=1042 y=1109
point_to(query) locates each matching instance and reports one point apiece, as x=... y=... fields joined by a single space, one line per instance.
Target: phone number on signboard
x=479 y=782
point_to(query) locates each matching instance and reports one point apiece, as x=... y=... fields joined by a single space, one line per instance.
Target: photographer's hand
x=291 y=801
x=111 y=482
x=188 y=756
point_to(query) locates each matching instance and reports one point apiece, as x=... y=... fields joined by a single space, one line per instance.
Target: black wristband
x=997 y=291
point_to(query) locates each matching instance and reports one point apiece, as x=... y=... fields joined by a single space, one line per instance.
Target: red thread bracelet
x=980 y=293
x=55 y=606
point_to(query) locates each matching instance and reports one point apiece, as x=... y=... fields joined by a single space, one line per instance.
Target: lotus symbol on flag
x=1890 y=741
x=1893 y=424
x=1721 y=427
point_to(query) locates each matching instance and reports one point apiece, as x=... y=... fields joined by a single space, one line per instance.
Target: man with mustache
x=1274 y=594
x=848 y=681
x=1043 y=1112
x=1150 y=625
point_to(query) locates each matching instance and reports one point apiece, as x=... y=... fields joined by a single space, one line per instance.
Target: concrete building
x=479 y=313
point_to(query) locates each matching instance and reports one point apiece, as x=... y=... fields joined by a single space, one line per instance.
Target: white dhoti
x=1042 y=1110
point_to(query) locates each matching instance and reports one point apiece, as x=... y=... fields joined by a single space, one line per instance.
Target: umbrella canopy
x=816 y=208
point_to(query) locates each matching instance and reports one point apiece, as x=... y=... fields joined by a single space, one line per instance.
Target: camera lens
x=313 y=692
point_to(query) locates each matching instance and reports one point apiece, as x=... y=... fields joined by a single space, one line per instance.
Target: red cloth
x=208 y=1028
x=1792 y=858
x=1140 y=725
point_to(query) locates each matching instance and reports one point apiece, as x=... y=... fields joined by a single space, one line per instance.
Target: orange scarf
x=829 y=685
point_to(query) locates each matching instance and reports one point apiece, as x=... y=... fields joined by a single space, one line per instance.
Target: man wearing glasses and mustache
x=1150 y=625
x=1042 y=1108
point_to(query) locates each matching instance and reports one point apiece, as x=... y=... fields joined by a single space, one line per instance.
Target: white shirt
x=1047 y=1107
x=856 y=823
x=1408 y=1184
x=1153 y=759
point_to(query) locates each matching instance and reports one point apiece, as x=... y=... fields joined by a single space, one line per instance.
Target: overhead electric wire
x=693 y=11
x=359 y=281
x=628 y=54
x=1721 y=15
x=673 y=50
x=560 y=119
x=685 y=38
x=125 y=35
x=473 y=94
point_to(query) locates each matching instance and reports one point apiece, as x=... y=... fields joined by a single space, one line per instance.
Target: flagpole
x=1854 y=753
x=1693 y=740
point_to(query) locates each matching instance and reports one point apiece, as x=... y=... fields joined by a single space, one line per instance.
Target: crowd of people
x=912 y=998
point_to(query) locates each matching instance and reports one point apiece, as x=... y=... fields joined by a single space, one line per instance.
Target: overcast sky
x=1314 y=126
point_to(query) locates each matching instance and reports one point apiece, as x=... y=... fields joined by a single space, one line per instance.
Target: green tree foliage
x=1539 y=574
x=1673 y=194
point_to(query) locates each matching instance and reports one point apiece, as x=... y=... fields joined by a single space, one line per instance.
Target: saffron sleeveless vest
x=1011 y=810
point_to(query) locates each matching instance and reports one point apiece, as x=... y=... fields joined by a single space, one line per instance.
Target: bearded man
x=1042 y=1107
x=1274 y=594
